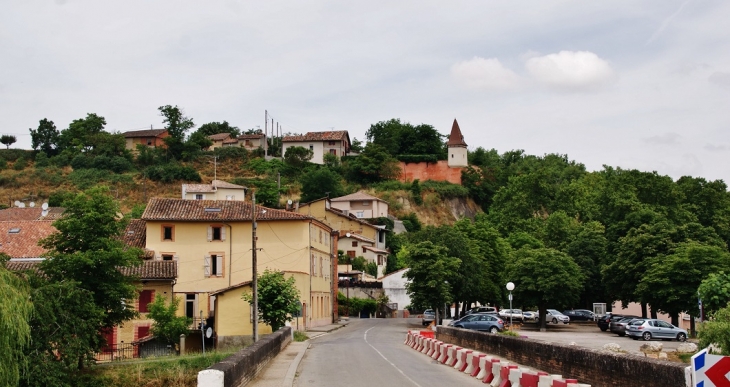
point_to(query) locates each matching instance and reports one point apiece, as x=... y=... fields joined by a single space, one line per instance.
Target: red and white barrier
x=439 y=349
x=494 y=376
x=461 y=363
x=444 y=353
x=472 y=361
x=434 y=346
x=454 y=357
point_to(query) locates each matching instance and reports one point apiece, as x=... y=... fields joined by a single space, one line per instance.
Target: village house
x=211 y=240
x=320 y=143
x=361 y=205
x=216 y=190
x=218 y=140
x=148 y=137
x=250 y=142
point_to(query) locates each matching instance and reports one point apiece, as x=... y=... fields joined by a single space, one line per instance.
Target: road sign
x=710 y=370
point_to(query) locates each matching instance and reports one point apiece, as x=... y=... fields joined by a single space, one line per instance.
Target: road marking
x=365 y=337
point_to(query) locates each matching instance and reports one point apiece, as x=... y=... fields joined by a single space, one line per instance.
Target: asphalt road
x=370 y=352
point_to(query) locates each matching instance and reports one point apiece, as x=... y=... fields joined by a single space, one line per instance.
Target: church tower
x=457 y=147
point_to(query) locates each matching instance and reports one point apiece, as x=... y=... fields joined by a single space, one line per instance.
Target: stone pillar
x=182 y=344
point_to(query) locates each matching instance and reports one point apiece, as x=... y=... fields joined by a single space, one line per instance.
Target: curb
x=291 y=373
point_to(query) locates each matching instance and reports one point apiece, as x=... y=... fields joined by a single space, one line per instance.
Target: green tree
x=45 y=138
x=717 y=331
x=15 y=314
x=544 y=277
x=297 y=156
x=212 y=128
x=320 y=182
x=371 y=268
x=416 y=192
x=714 y=291
x=429 y=267
x=277 y=298
x=8 y=140
x=358 y=263
x=374 y=164
x=670 y=282
x=588 y=248
x=356 y=145
x=176 y=125
x=168 y=326
x=77 y=137
x=400 y=138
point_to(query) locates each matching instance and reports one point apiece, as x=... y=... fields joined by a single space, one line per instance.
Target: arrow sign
x=717 y=374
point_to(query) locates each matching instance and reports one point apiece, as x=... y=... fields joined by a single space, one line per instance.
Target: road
x=370 y=352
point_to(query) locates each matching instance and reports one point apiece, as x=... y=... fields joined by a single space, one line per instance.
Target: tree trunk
x=692 y=328
x=675 y=319
x=653 y=313
x=542 y=311
x=643 y=310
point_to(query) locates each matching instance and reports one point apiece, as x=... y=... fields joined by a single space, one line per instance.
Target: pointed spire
x=456 y=138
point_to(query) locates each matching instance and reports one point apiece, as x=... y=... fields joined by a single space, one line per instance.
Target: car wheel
x=494 y=330
x=555 y=321
x=634 y=337
x=622 y=334
x=646 y=336
x=681 y=337
x=603 y=329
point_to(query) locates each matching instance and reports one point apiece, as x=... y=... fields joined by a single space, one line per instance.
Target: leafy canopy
x=168 y=326
x=277 y=298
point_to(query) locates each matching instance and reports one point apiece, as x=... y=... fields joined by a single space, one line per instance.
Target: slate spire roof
x=456 y=138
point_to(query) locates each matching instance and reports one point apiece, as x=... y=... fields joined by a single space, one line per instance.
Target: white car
x=555 y=317
x=515 y=314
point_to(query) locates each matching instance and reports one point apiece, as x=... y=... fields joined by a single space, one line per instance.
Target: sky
x=626 y=83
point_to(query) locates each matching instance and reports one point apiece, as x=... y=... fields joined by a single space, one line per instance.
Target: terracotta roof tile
x=357 y=196
x=28 y=213
x=225 y=184
x=250 y=136
x=230 y=141
x=318 y=136
x=211 y=210
x=343 y=234
x=147 y=270
x=22 y=265
x=144 y=133
x=19 y=239
x=456 y=138
x=136 y=234
x=219 y=136
x=375 y=249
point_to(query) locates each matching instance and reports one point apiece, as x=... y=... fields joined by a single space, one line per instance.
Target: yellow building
x=211 y=241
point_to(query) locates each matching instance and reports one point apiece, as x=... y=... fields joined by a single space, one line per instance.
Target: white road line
x=365 y=337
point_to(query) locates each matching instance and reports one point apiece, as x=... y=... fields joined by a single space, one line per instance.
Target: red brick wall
x=423 y=171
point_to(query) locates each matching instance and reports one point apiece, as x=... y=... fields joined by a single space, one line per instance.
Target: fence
x=125 y=351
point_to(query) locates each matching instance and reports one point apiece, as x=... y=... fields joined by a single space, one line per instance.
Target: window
x=149 y=142
x=145 y=298
x=168 y=257
x=199 y=196
x=321 y=267
x=213 y=265
x=331 y=143
x=452 y=155
x=248 y=142
x=168 y=232
x=142 y=331
x=190 y=305
x=333 y=152
x=360 y=214
x=216 y=233
x=381 y=236
x=354 y=243
x=314 y=266
x=230 y=197
x=351 y=253
x=311 y=147
x=365 y=203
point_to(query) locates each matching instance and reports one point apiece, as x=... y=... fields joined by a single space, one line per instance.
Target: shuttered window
x=216 y=233
x=145 y=297
x=213 y=265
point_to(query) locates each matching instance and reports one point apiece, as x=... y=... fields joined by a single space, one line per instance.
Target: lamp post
x=510 y=287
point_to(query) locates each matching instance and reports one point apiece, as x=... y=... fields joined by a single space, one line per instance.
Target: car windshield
x=554 y=312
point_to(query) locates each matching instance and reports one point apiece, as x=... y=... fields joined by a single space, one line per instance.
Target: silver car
x=480 y=322
x=555 y=317
x=649 y=329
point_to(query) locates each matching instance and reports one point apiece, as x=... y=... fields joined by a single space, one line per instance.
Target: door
x=666 y=330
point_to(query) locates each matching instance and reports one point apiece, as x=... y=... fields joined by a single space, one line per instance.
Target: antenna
x=32 y=204
x=44 y=206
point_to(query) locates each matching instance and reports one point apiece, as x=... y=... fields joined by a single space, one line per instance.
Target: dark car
x=579 y=315
x=619 y=327
x=604 y=322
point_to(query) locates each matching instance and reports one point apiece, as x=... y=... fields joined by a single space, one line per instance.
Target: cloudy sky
x=629 y=83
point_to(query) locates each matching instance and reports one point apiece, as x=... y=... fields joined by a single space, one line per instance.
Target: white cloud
x=570 y=70
x=716 y=148
x=720 y=79
x=486 y=74
x=663 y=139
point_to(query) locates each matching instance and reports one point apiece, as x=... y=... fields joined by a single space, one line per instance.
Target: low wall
x=438 y=171
x=242 y=367
x=600 y=369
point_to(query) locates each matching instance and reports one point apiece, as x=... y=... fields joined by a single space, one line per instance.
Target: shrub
x=231 y=152
x=416 y=192
x=20 y=164
x=15 y=154
x=41 y=160
x=82 y=162
x=60 y=161
x=300 y=336
x=3 y=164
x=86 y=178
x=120 y=164
x=445 y=189
x=390 y=185
x=411 y=222
x=169 y=173
x=57 y=198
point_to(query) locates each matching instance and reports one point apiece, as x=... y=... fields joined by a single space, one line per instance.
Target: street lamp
x=510 y=287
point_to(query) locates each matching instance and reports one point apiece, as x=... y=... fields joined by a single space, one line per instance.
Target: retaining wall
x=242 y=367
x=600 y=369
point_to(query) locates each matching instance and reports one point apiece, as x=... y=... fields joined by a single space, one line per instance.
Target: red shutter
x=145 y=297
x=143 y=331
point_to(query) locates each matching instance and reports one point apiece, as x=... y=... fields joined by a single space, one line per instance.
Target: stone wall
x=240 y=368
x=439 y=171
x=597 y=368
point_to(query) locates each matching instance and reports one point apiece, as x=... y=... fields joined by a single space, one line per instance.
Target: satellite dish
x=209 y=332
x=21 y=205
x=44 y=206
x=347 y=235
x=17 y=203
x=44 y=213
x=32 y=204
x=289 y=202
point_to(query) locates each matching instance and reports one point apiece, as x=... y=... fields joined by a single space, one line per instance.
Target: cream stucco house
x=320 y=143
x=361 y=205
x=217 y=190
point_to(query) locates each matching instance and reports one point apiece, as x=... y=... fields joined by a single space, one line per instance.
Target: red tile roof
x=30 y=213
x=376 y=250
x=22 y=242
x=146 y=271
x=136 y=234
x=211 y=210
x=144 y=133
x=219 y=136
x=230 y=141
x=250 y=136
x=318 y=136
x=456 y=138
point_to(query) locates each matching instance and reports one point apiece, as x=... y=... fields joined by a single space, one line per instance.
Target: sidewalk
x=281 y=371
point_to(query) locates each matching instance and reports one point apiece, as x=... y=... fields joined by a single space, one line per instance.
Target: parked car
x=619 y=327
x=482 y=309
x=530 y=316
x=580 y=315
x=428 y=317
x=604 y=322
x=555 y=317
x=480 y=322
x=514 y=314
x=649 y=329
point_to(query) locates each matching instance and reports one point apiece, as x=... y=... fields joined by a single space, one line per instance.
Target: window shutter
x=175 y=257
x=219 y=265
x=206 y=266
x=210 y=233
x=223 y=233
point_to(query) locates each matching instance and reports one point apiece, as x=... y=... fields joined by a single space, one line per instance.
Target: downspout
x=309 y=258
x=230 y=252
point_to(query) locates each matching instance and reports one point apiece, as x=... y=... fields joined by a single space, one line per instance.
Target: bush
x=445 y=189
x=60 y=161
x=15 y=154
x=390 y=185
x=56 y=199
x=82 y=162
x=169 y=173
x=300 y=336
x=416 y=192
x=372 y=269
x=119 y=164
x=411 y=222
x=418 y=158
x=231 y=152
x=86 y=178
x=51 y=175
x=20 y=164
x=41 y=160
x=3 y=164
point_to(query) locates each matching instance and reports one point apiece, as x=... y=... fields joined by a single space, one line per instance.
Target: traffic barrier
x=428 y=333
x=530 y=379
x=450 y=352
x=414 y=340
x=420 y=340
x=454 y=357
x=470 y=363
x=478 y=365
x=461 y=359
x=408 y=337
x=496 y=369
x=547 y=380
x=564 y=383
x=439 y=348
x=504 y=374
x=444 y=353
x=426 y=345
x=464 y=363
x=485 y=367
x=515 y=376
x=434 y=346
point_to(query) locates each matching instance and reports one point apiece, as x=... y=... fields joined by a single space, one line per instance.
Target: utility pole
x=254 y=281
x=266 y=131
